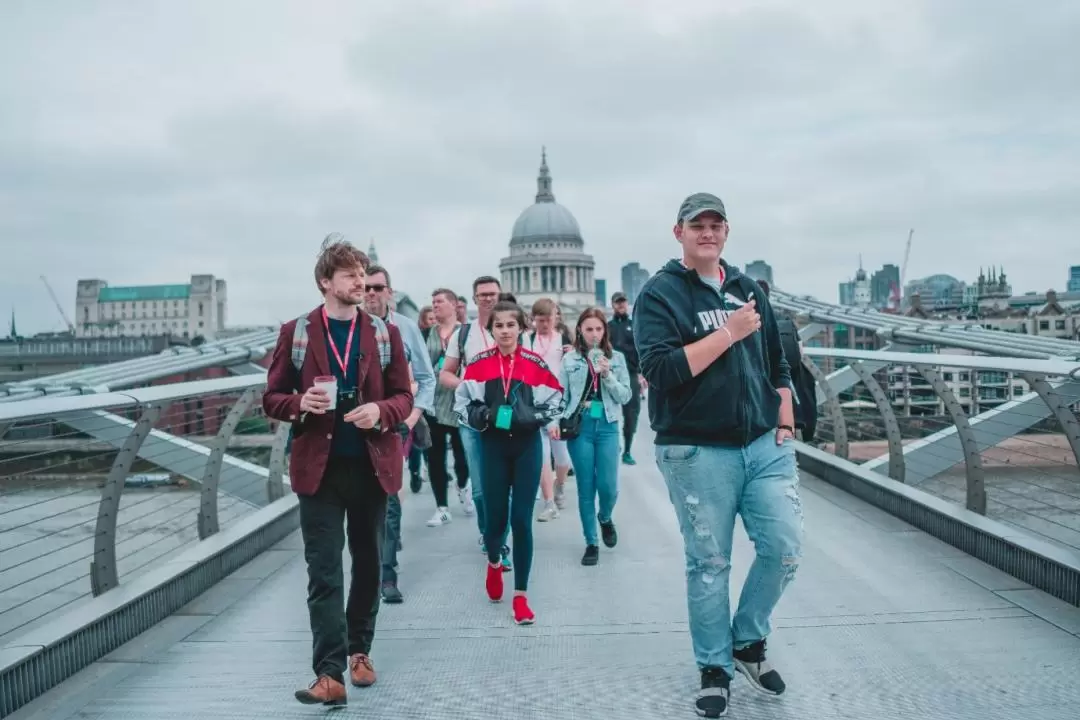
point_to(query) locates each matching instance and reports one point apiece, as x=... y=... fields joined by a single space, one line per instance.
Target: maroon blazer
x=312 y=433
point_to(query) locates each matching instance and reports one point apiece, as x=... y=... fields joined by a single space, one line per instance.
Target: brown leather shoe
x=324 y=690
x=361 y=671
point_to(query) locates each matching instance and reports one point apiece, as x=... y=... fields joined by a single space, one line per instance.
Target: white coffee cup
x=329 y=384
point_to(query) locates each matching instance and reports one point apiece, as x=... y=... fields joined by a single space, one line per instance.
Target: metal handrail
x=1052 y=366
x=51 y=407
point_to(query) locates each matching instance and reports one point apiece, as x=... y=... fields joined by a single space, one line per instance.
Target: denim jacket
x=614 y=389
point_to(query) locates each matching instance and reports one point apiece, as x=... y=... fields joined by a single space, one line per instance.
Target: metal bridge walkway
x=883 y=621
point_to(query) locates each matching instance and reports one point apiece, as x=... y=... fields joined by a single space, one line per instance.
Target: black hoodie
x=733 y=401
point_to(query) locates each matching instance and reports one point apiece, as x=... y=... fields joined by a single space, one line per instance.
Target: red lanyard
x=343 y=362
x=507 y=378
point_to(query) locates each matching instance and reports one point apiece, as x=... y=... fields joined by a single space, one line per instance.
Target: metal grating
x=21 y=683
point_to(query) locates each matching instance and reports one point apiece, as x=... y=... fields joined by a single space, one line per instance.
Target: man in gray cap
x=720 y=403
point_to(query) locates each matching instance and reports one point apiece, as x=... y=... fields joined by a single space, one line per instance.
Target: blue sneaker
x=507 y=566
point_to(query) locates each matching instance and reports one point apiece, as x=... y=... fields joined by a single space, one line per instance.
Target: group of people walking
x=515 y=403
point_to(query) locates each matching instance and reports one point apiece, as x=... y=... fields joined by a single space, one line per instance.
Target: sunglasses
x=376 y=288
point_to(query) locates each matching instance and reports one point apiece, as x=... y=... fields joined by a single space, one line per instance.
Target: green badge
x=596 y=409
x=503 y=416
x=440 y=363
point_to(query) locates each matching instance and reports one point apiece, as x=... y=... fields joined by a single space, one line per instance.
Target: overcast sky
x=141 y=142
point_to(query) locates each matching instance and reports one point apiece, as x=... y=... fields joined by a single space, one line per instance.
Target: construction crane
x=59 y=307
x=895 y=294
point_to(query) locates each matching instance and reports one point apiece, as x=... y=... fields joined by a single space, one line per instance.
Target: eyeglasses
x=376 y=288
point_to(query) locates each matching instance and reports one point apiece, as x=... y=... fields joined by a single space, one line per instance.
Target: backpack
x=462 y=336
x=300 y=341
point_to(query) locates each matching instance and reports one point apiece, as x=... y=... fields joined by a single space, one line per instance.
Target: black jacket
x=732 y=402
x=621 y=332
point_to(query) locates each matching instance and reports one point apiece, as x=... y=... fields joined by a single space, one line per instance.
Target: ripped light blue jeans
x=708 y=486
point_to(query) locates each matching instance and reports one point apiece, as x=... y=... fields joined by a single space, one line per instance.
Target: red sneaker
x=494 y=583
x=523 y=615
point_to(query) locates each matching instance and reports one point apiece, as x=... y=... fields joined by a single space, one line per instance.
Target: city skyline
x=130 y=155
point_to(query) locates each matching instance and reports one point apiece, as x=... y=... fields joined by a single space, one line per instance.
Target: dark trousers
x=416 y=458
x=391 y=539
x=349 y=492
x=443 y=436
x=630 y=412
x=511 y=477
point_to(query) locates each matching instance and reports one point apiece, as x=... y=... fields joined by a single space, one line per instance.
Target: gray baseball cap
x=699 y=203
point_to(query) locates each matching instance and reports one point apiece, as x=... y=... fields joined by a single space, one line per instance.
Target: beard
x=346 y=298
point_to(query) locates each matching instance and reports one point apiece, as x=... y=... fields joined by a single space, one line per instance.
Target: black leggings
x=441 y=436
x=511 y=475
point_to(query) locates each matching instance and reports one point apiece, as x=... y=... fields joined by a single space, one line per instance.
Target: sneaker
x=523 y=614
x=712 y=699
x=560 y=496
x=464 y=496
x=507 y=566
x=751 y=662
x=391 y=595
x=628 y=459
x=494 y=583
x=591 y=556
x=441 y=517
x=324 y=690
x=550 y=512
x=608 y=533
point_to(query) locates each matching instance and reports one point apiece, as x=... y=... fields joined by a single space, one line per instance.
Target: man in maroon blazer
x=345 y=462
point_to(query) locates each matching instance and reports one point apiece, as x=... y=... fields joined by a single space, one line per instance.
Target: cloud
x=142 y=144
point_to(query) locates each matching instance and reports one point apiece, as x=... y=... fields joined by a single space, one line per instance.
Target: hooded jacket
x=732 y=402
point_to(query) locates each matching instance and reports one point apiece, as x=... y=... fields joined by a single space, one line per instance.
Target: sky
x=141 y=143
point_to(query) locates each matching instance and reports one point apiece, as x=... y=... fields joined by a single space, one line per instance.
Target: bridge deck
x=882 y=621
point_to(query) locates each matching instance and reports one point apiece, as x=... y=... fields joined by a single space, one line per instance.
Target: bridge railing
x=997 y=436
x=98 y=489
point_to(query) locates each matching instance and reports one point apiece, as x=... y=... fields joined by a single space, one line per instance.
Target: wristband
x=731 y=340
x=786 y=427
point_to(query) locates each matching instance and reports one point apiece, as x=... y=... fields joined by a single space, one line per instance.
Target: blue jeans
x=595 y=456
x=391 y=538
x=708 y=486
x=474 y=457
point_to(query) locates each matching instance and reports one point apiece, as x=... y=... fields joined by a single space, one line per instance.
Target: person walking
x=597 y=384
x=339 y=377
x=508 y=395
x=720 y=403
x=621 y=330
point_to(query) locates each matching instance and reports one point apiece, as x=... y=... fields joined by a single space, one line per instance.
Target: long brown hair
x=579 y=337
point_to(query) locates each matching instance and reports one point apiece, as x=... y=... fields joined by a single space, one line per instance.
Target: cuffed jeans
x=595 y=456
x=708 y=486
x=474 y=456
x=349 y=491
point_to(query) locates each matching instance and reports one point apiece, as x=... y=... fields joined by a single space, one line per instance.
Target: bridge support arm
x=208 y=505
x=976 y=477
x=103 y=573
x=832 y=406
x=275 y=482
x=892 y=427
x=1058 y=402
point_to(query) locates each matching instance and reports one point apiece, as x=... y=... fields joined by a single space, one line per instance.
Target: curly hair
x=337 y=253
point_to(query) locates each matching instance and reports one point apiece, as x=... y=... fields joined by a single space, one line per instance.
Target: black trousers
x=349 y=504
x=630 y=412
x=441 y=436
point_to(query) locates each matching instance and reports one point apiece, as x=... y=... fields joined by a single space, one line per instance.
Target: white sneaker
x=550 y=512
x=441 y=517
x=560 y=496
x=465 y=496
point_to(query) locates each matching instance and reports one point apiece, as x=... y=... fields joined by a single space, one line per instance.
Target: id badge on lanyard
x=505 y=413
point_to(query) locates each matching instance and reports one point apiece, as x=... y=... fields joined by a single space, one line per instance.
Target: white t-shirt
x=478 y=340
x=550 y=348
